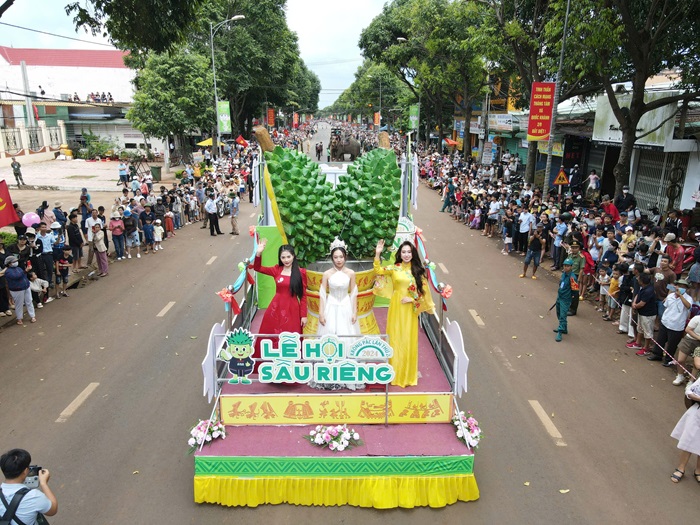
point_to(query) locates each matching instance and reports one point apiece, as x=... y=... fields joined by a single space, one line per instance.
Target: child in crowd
x=508 y=226
x=169 y=225
x=476 y=219
x=604 y=281
x=39 y=288
x=63 y=264
x=613 y=294
x=149 y=236
x=157 y=236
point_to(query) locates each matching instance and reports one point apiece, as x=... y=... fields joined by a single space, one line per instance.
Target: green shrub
x=9 y=238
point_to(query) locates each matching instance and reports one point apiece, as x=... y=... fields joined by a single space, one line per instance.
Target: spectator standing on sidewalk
x=672 y=326
x=131 y=231
x=535 y=251
x=644 y=303
x=90 y=225
x=76 y=241
x=116 y=226
x=526 y=221
x=235 y=209
x=689 y=346
x=18 y=284
x=100 y=249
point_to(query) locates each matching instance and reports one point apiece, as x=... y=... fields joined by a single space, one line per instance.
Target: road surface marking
x=211 y=260
x=548 y=425
x=476 y=317
x=252 y=214
x=503 y=359
x=70 y=409
x=166 y=309
x=443 y=268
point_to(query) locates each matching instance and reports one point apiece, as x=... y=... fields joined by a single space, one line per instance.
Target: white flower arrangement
x=467 y=429
x=205 y=432
x=337 y=437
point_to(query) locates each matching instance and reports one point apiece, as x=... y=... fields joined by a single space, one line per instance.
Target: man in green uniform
x=17 y=172
x=564 y=298
x=578 y=261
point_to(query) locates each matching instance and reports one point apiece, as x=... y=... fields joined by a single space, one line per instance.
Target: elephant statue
x=338 y=149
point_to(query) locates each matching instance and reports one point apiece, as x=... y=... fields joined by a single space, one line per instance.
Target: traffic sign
x=562 y=179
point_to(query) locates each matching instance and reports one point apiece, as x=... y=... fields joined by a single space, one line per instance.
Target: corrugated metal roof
x=108 y=58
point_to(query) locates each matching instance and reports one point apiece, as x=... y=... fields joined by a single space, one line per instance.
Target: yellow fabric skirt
x=377 y=492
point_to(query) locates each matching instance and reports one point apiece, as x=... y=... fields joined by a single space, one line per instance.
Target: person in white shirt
x=210 y=208
x=492 y=217
x=672 y=327
x=526 y=220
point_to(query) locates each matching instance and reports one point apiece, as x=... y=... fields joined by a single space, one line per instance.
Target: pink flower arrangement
x=467 y=429
x=205 y=432
x=446 y=291
x=337 y=438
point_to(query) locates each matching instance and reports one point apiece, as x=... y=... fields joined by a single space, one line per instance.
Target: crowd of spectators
x=37 y=268
x=628 y=264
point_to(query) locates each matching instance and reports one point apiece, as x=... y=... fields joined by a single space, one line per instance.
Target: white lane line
x=166 y=309
x=476 y=318
x=210 y=261
x=443 y=268
x=70 y=409
x=504 y=360
x=252 y=214
x=548 y=425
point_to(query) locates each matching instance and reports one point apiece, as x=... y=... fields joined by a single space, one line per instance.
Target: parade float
x=272 y=437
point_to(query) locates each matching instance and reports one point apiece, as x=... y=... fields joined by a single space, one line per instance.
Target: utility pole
x=555 y=103
x=31 y=123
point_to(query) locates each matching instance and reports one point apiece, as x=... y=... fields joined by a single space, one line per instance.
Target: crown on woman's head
x=337 y=243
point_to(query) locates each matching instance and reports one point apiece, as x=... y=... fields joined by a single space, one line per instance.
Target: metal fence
x=36 y=139
x=11 y=140
x=54 y=137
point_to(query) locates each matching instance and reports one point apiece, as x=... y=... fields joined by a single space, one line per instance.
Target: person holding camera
x=32 y=504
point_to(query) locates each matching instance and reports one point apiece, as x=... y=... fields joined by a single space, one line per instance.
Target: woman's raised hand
x=380 y=248
x=261 y=247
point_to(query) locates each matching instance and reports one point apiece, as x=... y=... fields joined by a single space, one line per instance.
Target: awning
x=209 y=142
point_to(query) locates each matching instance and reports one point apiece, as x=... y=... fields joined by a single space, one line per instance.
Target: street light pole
x=212 y=31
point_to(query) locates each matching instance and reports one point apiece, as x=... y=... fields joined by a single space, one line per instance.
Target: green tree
x=156 y=25
x=174 y=95
x=615 y=41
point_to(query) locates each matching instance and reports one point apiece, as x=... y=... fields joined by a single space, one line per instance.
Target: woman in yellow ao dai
x=405 y=284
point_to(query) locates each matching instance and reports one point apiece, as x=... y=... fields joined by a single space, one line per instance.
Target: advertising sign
x=270 y=116
x=413 y=116
x=606 y=128
x=557 y=148
x=377 y=119
x=500 y=122
x=295 y=120
x=223 y=111
x=539 y=124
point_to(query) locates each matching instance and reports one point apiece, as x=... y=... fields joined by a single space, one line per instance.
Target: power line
x=57 y=36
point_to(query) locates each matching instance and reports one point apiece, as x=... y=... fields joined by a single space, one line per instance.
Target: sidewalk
x=71 y=175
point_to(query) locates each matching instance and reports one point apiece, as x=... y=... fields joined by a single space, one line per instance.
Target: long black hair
x=416 y=265
x=296 y=285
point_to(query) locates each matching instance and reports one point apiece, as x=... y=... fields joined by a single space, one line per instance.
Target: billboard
x=539 y=124
x=606 y=128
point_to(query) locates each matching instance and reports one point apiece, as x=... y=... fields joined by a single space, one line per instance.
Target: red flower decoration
x=251 y=231
x=446 y=291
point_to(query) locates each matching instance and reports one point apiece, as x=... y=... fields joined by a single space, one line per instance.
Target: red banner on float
x=270 y=116
x=539 y=124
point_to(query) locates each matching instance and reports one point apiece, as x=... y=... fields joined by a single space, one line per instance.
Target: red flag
x=241 y=141
x=8 y=215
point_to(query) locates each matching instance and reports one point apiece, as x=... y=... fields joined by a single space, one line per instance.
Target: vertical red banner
x=270 y=116
x=8 y=215
x=539 y=125
x=377 y=119
x=295 y=120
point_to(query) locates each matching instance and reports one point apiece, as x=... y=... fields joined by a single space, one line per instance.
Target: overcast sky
x=328 y=33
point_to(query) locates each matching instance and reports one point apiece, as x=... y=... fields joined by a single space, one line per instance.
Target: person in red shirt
x=610 y=208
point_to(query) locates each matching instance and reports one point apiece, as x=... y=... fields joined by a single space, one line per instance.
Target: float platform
x=414 y=461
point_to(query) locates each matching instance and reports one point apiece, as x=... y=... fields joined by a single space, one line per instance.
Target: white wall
x=121 y=132
x=57 y=81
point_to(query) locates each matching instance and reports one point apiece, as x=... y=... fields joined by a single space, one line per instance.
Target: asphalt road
x=121 y=455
